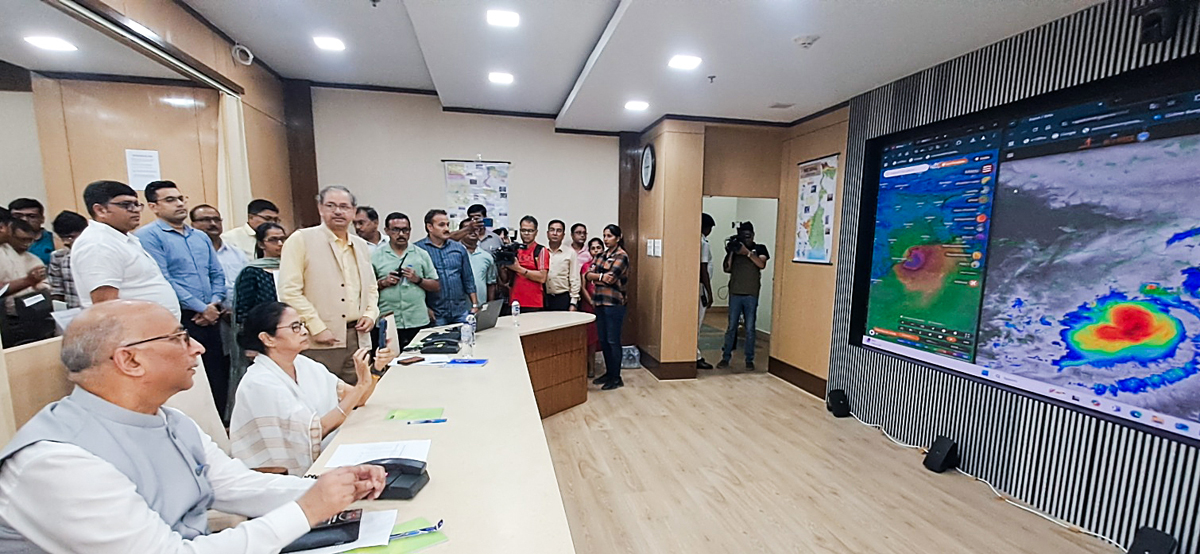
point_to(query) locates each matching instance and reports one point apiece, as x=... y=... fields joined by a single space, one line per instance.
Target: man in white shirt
x=259 y=211
x=108 y=470
x=207 y=219
x=107 y=261
x=706 y=273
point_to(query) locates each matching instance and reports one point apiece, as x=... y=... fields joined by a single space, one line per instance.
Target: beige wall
x=803 y=314
x=668 y=286
x=741 y=161
x=388 y=147
x=20 y=153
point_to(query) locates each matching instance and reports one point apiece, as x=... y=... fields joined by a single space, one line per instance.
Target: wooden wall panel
x=741 y=161
x=36 y=376
x=56 y=155
x=803 y=316
x=175 y=26
x=104 y=119
x=684 y=163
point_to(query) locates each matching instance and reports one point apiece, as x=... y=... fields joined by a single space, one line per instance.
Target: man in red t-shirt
x=530 y=270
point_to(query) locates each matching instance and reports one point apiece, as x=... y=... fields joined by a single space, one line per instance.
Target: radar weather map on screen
x=1056 y=253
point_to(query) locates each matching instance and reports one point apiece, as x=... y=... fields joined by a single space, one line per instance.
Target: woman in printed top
x=288 y=406
x=609 y=275
x=595 y=247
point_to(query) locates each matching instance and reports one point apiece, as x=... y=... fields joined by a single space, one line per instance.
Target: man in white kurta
x=108 y=470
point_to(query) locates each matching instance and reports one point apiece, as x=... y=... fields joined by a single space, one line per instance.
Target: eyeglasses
x=180 y=335
x=338 y=207
x=273 y=240
x=399 y=229
x=129 y=205
x=296 y=327
x=207 y=220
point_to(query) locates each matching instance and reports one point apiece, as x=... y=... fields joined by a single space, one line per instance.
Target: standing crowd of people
x=337 y=277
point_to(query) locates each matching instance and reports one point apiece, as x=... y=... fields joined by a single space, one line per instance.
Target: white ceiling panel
x=750 y=47
x=381 y=47
x=544 y=54
x=96 y=52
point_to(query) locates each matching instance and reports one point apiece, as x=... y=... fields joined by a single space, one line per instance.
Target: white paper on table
x=375 y=529
x=63 y=318
x=354 y=454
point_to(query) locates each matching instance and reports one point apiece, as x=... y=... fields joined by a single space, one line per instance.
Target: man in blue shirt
x=189 y=262
x=457 y=297
x=32 y=212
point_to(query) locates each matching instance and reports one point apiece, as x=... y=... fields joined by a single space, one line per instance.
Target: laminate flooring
x=745 y=462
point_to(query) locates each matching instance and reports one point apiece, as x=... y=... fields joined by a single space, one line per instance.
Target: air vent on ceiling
x=780 y=106
x=806 y=41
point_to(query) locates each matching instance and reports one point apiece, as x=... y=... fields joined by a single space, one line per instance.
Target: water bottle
x=467 y=334
x=516 y=312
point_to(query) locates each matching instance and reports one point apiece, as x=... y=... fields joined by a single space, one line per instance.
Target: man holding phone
x=479 y=224
x=404 y=275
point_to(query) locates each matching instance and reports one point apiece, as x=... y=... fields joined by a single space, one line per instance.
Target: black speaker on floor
x=837 y=403
x=1152 y=541
x=942 y=455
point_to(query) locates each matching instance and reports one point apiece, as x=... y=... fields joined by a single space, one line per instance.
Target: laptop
x=487 y=315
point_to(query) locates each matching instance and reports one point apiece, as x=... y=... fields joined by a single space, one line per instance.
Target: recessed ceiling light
x=684 y=62
x=329 y=43
x=501 y=18
x=500 y=78
x=51 y=43
x=637 y=105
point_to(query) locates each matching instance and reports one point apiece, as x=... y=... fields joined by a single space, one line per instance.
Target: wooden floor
x=744 y=462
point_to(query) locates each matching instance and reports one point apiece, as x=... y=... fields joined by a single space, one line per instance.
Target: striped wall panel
x=1104 y=477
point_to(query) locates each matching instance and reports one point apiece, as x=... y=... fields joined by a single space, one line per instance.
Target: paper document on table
x=375 y=529
x=354 y=454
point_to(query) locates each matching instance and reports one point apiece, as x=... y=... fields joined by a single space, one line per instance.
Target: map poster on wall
x=814 y=211
x=477 y=182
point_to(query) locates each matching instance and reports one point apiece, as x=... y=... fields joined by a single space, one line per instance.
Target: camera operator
x=744 y=262
x=530 y=268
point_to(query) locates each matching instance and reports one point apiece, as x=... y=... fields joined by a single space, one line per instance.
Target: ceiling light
x=500 y=78
x=684 y=62
x=637 y=105
x=501 y=18
x=180 y=102
x=51 y=43
x=329 y=43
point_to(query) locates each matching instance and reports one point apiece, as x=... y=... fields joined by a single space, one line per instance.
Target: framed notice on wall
x=477 y=182
x=815 y=212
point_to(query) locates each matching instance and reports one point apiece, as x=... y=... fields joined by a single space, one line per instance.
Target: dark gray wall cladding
x=1105 y=477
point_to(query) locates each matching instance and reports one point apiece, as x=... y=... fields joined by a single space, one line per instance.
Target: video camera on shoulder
x=507 y=254
x=744 y=236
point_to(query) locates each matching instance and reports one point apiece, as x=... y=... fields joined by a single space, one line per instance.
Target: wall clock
x=648 y=166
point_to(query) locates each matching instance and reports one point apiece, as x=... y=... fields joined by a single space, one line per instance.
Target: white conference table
x=491 y=476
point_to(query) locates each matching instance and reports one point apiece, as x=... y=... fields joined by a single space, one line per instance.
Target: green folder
x=415 y=414
x=407 y=544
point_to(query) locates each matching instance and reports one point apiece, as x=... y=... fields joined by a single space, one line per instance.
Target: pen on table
x=439 y=420
x=415 y=532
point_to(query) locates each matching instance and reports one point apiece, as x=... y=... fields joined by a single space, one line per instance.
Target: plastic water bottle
x=516 y=313
x=467 y=334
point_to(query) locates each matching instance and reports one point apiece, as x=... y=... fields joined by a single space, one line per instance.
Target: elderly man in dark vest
x=108 y=469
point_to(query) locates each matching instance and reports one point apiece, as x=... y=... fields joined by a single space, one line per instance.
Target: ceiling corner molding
x=819 y=113
x=505 y=113
x=587 y=132
x=375 y=88
x=595 y=55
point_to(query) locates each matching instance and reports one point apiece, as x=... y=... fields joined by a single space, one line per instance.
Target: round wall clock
x=648 y=166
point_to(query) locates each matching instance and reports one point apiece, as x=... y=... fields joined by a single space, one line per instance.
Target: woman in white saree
x=288 y=406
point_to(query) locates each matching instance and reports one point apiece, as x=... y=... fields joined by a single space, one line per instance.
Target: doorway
x=728 y=212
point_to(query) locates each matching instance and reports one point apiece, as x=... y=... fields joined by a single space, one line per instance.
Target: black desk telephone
x=405 y=478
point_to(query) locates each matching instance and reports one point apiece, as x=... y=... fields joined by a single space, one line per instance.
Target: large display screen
x=1053 y=251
